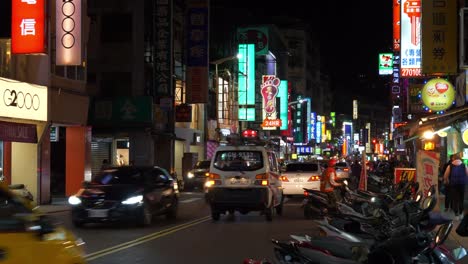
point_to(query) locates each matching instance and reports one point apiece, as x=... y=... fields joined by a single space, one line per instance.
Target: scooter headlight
x=190 y=175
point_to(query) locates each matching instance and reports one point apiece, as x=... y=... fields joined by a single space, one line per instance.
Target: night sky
x=351 y=33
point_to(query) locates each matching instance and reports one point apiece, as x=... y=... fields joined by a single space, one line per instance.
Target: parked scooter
x=20 y=190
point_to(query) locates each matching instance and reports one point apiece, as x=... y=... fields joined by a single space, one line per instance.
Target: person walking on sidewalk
x=448 y=202
x=456 y=175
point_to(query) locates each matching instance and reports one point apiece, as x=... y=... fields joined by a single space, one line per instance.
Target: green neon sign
x=246 y=76
x=283 y=95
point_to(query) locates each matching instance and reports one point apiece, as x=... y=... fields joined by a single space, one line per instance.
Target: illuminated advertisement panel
x=246 y=76
x=269 y=89
x=283 y=95
x=396 y=25
x=313 y=120
x=410 y=38
x=28 y=26
x=318 y=129
x=68 y=32
x=438 y=95
x=439 y=36
x=385 y=63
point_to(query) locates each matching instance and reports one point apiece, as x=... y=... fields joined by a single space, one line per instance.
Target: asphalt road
x=193 y=237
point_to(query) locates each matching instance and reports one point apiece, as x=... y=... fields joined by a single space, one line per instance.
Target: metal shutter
x=99 y=152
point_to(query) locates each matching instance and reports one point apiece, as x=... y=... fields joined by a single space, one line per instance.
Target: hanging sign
x=438 y=95
x=27 y=26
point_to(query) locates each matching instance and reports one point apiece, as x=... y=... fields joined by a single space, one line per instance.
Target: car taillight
x=207 y=174
x=214 y=176
x=306 y=193
x=284 y=178
x=314 y=178
x=261 y=182
x=346 y=169
x=262 y=176
x=211 y=183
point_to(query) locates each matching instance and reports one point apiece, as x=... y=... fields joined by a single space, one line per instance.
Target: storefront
x=121 y=132
x=23 y=119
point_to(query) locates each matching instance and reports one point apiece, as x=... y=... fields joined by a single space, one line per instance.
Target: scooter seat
x=341 y=248
x=16 y=186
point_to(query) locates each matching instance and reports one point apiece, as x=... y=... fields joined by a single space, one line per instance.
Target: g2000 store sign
x=23 y=100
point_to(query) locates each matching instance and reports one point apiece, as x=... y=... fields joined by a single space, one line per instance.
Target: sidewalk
x=58 y=205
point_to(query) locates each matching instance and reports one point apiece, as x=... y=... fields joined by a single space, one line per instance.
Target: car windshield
x=119 y=176
x=341 y=164
x=238 y=160
x=293 y=167
x=205 y=164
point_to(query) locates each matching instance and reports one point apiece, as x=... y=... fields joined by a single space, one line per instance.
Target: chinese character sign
x=28 y=26
x=163 y=48
x=439 y=35
x=427 y=169
x=410 y=38
x=197 y=53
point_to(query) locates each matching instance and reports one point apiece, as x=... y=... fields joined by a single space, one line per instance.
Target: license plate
x=239 y=181
x=298 y=180
x=98 y=213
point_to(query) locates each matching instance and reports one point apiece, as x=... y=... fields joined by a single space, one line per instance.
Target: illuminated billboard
x=385 y=63
x=68 y=32
x=410 y=38
x=28 y=26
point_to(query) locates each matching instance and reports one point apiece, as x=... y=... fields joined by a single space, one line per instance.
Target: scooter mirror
x=443 y=233
x=459 y=253
x=428 y=203
x=418 y=196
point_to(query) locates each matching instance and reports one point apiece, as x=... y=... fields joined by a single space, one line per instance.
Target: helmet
x=331 y=163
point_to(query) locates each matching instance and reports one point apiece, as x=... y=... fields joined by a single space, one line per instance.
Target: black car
x=127 y=193
x=196 y=177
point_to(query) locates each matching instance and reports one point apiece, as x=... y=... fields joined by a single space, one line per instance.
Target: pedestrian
x=446 y=187
x=105 y=164
x=329 y=183
x=356 y=169
x=456 y=176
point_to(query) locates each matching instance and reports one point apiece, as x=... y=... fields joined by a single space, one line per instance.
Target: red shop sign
x=27 y=26
x=16 y=132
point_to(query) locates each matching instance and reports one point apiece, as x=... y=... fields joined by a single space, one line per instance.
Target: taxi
x=28 y=236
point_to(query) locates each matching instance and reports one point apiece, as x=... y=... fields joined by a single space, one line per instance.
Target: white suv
x=244 y=178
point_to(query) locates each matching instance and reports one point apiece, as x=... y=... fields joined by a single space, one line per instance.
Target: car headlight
x=373 y=199
x=190 y=175
x=133 y=200
x=73 y=200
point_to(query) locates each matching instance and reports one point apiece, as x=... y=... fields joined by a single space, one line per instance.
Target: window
x=239 y=160
x=273 y=161
x=293 y=167
x=159 y=176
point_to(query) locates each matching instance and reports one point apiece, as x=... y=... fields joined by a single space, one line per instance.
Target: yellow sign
x=438 y=94
x=465 y=136
x=23 y=100
x=439 y=37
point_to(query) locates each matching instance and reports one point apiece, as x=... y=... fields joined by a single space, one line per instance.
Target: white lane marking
x=190 y=200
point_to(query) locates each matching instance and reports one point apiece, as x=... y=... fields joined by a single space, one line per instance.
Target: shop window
x=122 y=155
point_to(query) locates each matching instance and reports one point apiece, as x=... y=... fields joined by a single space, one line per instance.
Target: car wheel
x=146 y=216
x=279 y=207
x=215 y=215
x=307 y=211
x=269 y=213
x=78 y=223
x=172 y=211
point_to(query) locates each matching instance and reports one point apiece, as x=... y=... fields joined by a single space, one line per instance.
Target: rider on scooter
x=329 y=182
